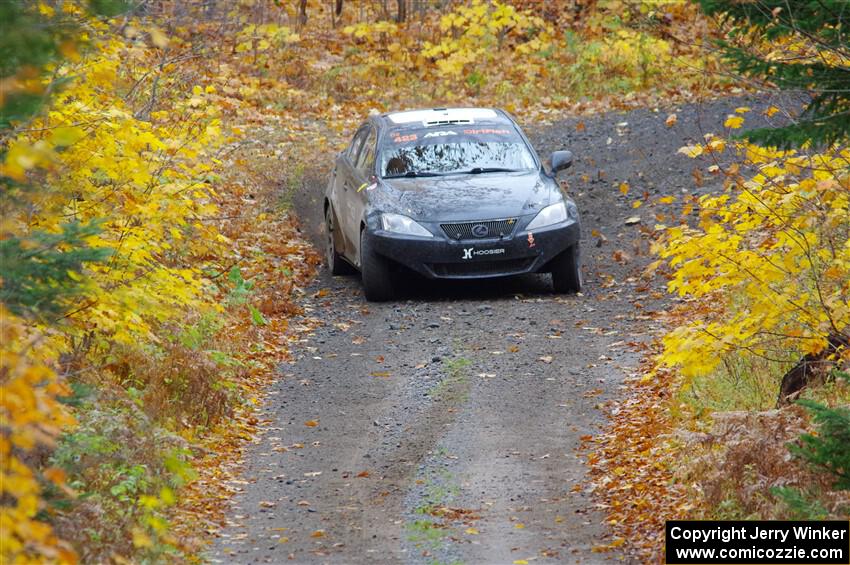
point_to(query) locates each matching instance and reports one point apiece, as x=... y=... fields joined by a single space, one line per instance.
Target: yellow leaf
x=65 y=136
x=637 y=204
x=141 y=539
x=733 y=122
x=472 y=531
x=691 y=151
x=624 y=188
x=158 y=38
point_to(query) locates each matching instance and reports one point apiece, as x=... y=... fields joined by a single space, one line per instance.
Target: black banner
x=692 y=542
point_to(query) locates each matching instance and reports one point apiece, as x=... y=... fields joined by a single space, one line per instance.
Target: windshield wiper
x=413 y=174
x=479 y=170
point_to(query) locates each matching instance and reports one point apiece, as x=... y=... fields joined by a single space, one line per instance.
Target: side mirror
x=561 y=160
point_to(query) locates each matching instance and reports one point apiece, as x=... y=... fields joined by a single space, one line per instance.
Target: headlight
x=397 y=223
x=553 y=214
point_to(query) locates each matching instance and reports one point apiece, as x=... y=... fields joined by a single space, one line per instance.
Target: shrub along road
x=444 y=427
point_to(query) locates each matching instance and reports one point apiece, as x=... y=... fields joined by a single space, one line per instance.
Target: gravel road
x=444 y=427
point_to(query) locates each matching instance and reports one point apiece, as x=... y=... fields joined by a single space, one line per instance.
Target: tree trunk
x=402 y=11
x=302 y=12
x=811 y=369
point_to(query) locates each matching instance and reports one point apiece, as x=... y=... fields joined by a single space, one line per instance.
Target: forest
x=158 y=274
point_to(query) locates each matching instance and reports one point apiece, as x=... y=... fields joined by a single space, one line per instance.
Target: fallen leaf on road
x=472 y=531
x=267 y=504
x=363 y=474
x=311 y=423
x=519 y=526
x=382 y=374
x=546 y=358
x=671 y=120
x=486 y=375
x=318 y=534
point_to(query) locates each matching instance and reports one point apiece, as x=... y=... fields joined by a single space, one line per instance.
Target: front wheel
x=566 y=271
x=375 y=272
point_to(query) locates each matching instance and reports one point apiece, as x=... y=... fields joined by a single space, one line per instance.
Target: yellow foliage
x=145 y=177
x=770 y=257
x=30 y=417
x=142 y=179
x=478 y=32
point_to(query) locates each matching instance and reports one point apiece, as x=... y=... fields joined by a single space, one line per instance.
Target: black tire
x=378 y=279
x=566 y=271
x=336 y=264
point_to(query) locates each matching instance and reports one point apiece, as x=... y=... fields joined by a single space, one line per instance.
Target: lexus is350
x=450 y=193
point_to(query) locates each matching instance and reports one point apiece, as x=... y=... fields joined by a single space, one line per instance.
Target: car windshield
x=433 y=151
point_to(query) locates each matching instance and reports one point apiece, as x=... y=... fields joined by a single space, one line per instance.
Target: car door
x=364 y=178
x=343 y=191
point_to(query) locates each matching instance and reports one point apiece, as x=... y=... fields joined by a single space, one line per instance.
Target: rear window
x=454 y=150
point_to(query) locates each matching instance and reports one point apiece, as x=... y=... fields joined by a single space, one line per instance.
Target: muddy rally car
x=449 y=193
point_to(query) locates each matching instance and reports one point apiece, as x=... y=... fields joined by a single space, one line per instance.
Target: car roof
x=431 y=117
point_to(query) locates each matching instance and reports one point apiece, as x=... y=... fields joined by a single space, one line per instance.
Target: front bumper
x=443 y=258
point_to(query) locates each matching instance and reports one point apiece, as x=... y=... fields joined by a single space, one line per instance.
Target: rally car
x=450 y=193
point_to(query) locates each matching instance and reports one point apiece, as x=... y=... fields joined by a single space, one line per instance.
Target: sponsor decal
x=486 y=130
x=438 y=134
x=404 y=138
x=470 y=252
x=530 y=240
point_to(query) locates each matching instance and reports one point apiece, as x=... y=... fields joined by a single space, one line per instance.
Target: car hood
x=472 y=196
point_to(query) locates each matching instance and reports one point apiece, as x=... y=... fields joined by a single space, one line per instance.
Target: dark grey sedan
x=455 y=193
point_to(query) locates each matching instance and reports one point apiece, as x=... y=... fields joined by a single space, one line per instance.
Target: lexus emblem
x=480 y=230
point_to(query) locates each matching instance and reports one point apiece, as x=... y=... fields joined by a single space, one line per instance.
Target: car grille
x=482 y=268
x=495 y=228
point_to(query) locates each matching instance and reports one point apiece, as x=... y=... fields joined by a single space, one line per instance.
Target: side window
x=356 y=143
x=366 y=158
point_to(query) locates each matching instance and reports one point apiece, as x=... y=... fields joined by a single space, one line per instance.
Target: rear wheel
x=336 y=264
x=566 y=271
x=378 y=280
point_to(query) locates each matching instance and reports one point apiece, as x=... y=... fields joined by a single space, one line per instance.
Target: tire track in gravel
x=448 y=421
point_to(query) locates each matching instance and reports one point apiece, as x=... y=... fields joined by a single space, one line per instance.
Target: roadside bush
x=741 y=468
x=124 y=471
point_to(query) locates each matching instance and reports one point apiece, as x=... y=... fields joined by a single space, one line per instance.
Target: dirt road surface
x=444 y=427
